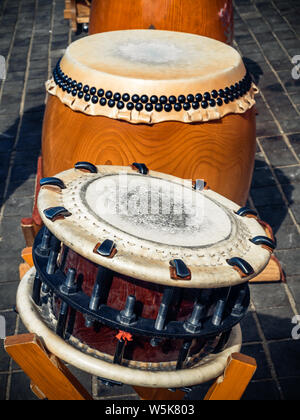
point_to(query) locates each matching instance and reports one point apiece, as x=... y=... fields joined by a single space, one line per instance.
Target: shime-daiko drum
x=140 y=277
x=182 y=104
x=211 y=18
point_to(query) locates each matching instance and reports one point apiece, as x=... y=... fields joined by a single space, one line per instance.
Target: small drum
x=140 y=277
x=211 y=18
x=181 y=103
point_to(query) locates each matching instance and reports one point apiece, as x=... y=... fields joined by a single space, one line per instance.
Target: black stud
x=264 y=241
x=117 y=97
x=109 y=94
x=111 y=103
x=206 y=96
x=100 y=93
x=212 y=103
x=130 y=106
x=195 y=105
x=149 y=107
x=163 y=99
x=178 y=107
x=126 y=97
x=80 y=94
x=106 y=249
x=53 y=213
x=144 y=99
x=87 y=97
x=74 y=92
x=158 y=107
x=168 y=107
x=190 y=98
x=181 y=99
x=52 y=181
x=103 y=101
x=139 y=107
x=199 y=97
x=204 y=104
x=154 y=99
x=95 y=100
x=141 y=167
x=93 y=91
x=181 y=269
x=242 y=265
x=246 y=211
x=219 y=102
x=221 y=93
x=214 y=94
x=120 y=105
x=86 y=89
x=172 y=100
x=86 y=166
x=135 y=99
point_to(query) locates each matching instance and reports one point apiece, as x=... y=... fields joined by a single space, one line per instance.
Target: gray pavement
x=33 y=35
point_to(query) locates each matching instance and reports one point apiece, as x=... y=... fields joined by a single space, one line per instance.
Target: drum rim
x=57 y=346
x=142 y=265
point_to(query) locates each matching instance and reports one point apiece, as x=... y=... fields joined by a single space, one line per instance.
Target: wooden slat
x=238 y=374
x=49 y=376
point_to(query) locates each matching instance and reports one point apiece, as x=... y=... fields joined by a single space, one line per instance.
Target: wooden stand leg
x=232 y=385
x=50 y=377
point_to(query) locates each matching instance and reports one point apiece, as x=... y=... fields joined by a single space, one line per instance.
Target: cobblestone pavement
x=33 y=35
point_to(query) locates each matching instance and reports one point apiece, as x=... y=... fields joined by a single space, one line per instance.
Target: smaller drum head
x=153 y=221
x=146 y=76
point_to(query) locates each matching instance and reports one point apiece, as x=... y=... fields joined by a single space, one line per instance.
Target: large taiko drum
x=140 y=277
x=181 y=103
x=211 y=18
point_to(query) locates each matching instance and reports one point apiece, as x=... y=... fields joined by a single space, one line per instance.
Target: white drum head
x=154 y=219
x=157 y=210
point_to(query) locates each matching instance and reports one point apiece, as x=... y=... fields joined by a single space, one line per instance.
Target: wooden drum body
x=130 y=105
x=211 y=18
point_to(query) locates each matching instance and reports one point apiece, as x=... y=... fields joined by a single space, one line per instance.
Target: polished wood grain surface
x=211 y=18
x=220 y=152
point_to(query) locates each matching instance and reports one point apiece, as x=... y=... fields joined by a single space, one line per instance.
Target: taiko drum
x=180 y=103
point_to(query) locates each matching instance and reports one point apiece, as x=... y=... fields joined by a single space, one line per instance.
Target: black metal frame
x=65 y=288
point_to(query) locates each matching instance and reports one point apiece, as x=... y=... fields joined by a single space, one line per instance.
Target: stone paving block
x=278 y=151
x=20 y=388
x=285 y=355
x=290 y=261
x=276 y=322
x=290 y=388
x=269 y=295
x=262 y=391
x=257 y=352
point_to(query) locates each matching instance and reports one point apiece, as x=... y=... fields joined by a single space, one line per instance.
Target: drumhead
x=201 y=228
x=180 y=68
x=157 y=210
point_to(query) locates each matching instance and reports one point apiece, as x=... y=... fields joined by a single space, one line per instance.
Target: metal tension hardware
x=265 y=242
x=246 y=212
x=52 y=182
x=242 y=266
x=55 y=213
x=86 y=166
x=106 y=249
x=179 y=271
x=200 y=185
x=141 y=168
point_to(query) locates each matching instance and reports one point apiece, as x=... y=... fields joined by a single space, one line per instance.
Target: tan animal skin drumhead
x=144 y=64
x=205 y=249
